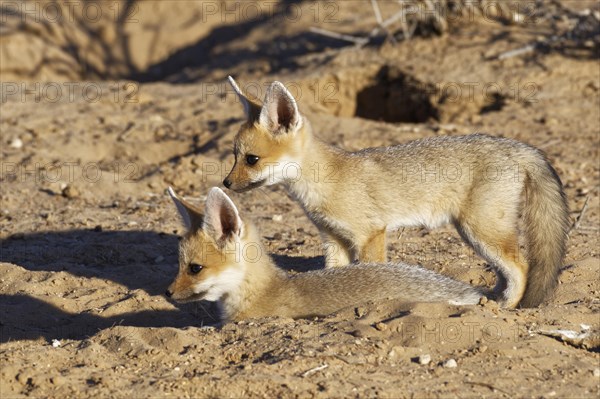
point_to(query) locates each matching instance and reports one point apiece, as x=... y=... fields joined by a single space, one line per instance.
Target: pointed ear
x=251 y=106
x=222 y=220
x=279 y=113
x=190 y=215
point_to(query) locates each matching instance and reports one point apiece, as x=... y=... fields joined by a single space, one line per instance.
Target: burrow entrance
x=389 y=94
x=396 y=97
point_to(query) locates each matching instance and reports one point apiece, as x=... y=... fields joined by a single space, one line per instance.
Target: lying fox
x=222 y=259
x=479 y=183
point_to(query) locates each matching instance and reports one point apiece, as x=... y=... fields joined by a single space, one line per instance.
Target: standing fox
x=479 y=183
x=222 y=259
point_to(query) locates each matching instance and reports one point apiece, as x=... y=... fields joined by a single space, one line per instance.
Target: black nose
x=168 y=293
x=227 y=183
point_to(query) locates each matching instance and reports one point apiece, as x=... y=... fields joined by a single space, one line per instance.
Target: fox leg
x=374 y=248
x=501 y=250
x=337 y=252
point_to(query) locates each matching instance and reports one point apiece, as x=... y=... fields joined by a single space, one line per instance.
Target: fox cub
x=222 y=259
x=480 y=184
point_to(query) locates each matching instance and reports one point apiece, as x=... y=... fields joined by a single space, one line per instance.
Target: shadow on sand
x=137 y=260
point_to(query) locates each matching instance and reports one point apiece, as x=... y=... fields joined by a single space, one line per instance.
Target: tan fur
x=476 y=182
x=374 y=249
x=197 y=247
x=259 y=288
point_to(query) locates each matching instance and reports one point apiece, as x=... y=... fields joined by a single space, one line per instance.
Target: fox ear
x=222 y=220
x=251 y=107
x=191 y=216
x=279 y=113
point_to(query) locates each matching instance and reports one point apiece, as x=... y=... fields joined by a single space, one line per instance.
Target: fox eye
x=251 y=159
x=195 y=268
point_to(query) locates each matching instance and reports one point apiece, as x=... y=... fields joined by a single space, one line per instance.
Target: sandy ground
x=89 y=237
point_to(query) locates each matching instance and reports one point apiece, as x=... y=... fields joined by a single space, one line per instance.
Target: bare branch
x=361 y=41
x=581 y=214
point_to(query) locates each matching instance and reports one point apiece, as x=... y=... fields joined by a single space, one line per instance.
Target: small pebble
x=424 y=359
x=57 y=380
x=492 y=305
x=596 y=372
x=70 y=192
x=450 y=364
x=55 y=343
x=518 y=18
x=356 y=333
x=583 y=191
x=277 y=218
x=25 y=379
x=360 y=311
x=380 y=326
x=16 y=143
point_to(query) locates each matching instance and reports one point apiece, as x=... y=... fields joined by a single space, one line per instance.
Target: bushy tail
x=546 y=223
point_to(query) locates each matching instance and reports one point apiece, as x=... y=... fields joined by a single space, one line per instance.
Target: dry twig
x=516 y=52
x=314 y=370
x=361 y=41
x=575 y=225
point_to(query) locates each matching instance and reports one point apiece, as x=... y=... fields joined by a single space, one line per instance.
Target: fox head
x=212 y=257
x=268 y=146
